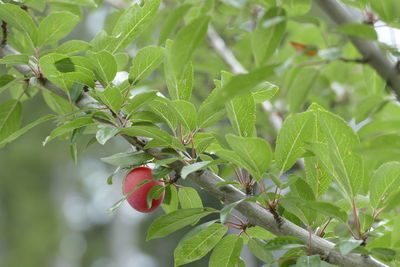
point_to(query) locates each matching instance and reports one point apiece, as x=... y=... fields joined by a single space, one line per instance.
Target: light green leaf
x=170 y=23
x=112 y=97
x=358 y=30
x=256 y=152
x=15 y=60
x=264 y=92
x=133 y=22
x=384 y=183
x=241 y=111
x=241 y=84
x=295 y=130
x=256 y=247
x=327 y=209
x=284 y=242
x=56 y=26
x=19 y=19
x=24 y=129
x=309 y=261
x=105 y=66
x=171 y=222
x=146 y=60
x=163 y=108
x=189 y=198
x=227 y=252
x=10 y=118
x=186 y=41
x=67 y=127
x=186 y=114
x=346 y=246
x=105 y=133
x=226 y=211
x=149 y=131
x=347 y=166
x=73 y=47
x=154 y=193
x=128 y=159
x=300 y=87
x=188 y=169
x=268 y=34
x=90 y=3
x=198 y=245
x=179 y=86
x=232 y=157
x=171 y=201
x=139 y=101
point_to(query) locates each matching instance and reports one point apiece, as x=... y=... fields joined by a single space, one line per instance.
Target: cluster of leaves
x=348 y=187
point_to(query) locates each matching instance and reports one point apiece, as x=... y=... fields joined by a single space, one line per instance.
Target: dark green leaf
x=128 y=158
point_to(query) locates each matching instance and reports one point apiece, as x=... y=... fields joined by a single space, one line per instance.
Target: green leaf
x=256 y=152
x=227 y=252
x=179 y=86
x=358 y=30
x=56 y=26
x=268 y=34
x=241 y=84
x=170 y=23
x=208 y=113
x=19 y=19
x=163 y=108
x=256 y=247
x=154 y=193
x=327 y=209
x=67 y=127
x=346 y=246
x=284 y=242
x=139 y=101
x=259 y=232
x=105 y=133
x=226 y=211
x=15 y=60
x=146 y=60
x=171 y=201
x=264 y=92
x=309 y=261
x=198 y=245
x=347 y=166
x=128 y=159
x=160 y=172
x=10 y=118
x=186 y=114
x=295 y=130
x=232 y=157
x=24 y=129
x=300 y=87
x=188 y=169
x=384 y=183
x=241 y=112
x=149 y=131
x=105 y=66
x=6 y=79
x=112 y=97
x=133 y=22
x=186 y=41
x=295 y=206
x=90 y=3
x=73 y=47
x=171 y=222
x=189 y=198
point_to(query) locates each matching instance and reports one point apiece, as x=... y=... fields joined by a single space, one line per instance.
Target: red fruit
x=138 y=199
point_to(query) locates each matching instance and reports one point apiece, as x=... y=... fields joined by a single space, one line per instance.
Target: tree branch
x=369 y=49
